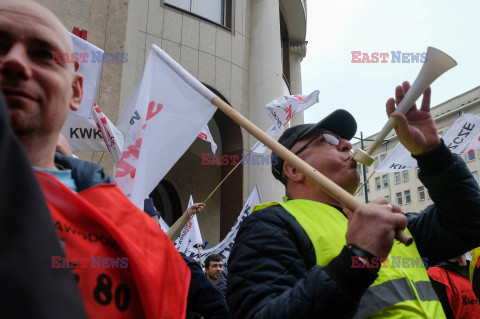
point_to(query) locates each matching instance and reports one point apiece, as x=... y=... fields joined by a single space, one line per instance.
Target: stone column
x=265 y=84
x=297 y=53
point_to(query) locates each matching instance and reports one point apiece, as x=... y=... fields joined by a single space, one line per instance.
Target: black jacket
x=272 y=266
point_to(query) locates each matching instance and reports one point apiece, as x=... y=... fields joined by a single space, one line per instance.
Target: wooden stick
x=364 y=183
x=223 y=180
x=338 y=193
x=101 y=157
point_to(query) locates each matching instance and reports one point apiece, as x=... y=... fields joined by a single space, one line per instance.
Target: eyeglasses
x=327 y=137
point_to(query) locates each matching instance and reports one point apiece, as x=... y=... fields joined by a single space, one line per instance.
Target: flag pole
x=101 y=157
x=223 y=180
x=338 y=193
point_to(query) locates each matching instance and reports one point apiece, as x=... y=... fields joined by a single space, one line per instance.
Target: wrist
x=363 y=258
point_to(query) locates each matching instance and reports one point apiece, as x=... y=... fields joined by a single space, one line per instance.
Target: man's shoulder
x=86 y=174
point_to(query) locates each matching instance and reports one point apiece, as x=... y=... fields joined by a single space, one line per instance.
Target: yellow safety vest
x=402 y=288
x=473 y=262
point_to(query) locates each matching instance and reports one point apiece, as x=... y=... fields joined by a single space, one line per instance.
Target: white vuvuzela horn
x=437 y=63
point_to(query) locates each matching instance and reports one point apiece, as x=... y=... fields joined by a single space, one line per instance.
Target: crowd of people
x=306 y=257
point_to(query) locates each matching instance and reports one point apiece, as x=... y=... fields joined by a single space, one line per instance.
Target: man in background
x=213 y=267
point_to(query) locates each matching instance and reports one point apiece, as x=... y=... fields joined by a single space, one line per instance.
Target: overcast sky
x=335 y=28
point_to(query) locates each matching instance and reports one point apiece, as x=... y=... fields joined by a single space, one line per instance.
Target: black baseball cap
x=339 y=122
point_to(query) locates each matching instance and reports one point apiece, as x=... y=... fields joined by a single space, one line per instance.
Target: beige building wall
x=243 y=63
x=399 y=185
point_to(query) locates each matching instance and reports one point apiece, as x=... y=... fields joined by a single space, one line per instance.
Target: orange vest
x=463 y=302
x=125 y=265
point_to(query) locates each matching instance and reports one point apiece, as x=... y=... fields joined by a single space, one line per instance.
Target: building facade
x=404 y=188
x=247 y=52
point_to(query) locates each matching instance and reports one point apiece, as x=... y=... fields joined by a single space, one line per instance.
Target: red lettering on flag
x=300 y=98
x=289 y=114
x=203 y=136
x=151 y=112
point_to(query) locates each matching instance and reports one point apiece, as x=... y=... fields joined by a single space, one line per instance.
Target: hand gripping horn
x=436 y=64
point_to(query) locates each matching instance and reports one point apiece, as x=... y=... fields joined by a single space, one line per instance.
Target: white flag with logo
x=171 y=107
x=82 y=134
x=112 y=137
x=461 y=138
x=190 y=235
x=130 y=115
x=225 y=246
x=89 y=60
x=282 y=109
x=207 y=136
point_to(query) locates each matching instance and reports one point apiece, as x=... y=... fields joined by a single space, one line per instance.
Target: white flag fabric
x=282 y=109
x=398 y=160
x=129 y=116
x=259 y=147
x=190 y=235
x=89 y=64
x=163 y=224
x=461 y=138
x=171 y=107
x=207 y=136
x=225 y=246
x=82 y=134
x=112 y=137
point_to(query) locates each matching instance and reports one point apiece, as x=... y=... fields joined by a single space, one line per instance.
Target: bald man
x=124 y=264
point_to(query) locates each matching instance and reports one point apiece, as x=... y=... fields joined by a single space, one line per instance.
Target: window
x=470 y=156
x=218 y=11
x=359 y=169
x=475 y=175
x=285 y=41
x=360 y=192
x=421 y=193
x=376 y=162
x=408 y=198
x=405 y=176
x=397 y=178
x=377 y=183
x=399 y=198
x=385 y=180
x=387 y=197
x=382 y=157
x=418 y=171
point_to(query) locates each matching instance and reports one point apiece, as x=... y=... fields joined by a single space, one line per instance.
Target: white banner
x=82 y=134
x=282 y=109
x=171 y=108
x=112 y=137
x=225 y=246
x=259 y=147
x=190 y=235
x=207 y=136
x=461 y=138
x=89 y=60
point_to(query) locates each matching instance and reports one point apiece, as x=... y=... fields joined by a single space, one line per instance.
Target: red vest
x=463 y=302
x=125 y=265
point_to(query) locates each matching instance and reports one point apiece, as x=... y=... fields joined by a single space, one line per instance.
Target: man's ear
x=77 y=90
x=291 y=173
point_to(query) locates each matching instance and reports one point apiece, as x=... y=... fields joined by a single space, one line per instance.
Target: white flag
x=89 y=60
x=259 y=147
x=129 y=116
x=282 y=109
x=207 y=136
x=171 y=107
x=190 y=235
x=82 y=134
x=112 y=137
x=225 y=246
x=163 y=224
x=461 y=138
